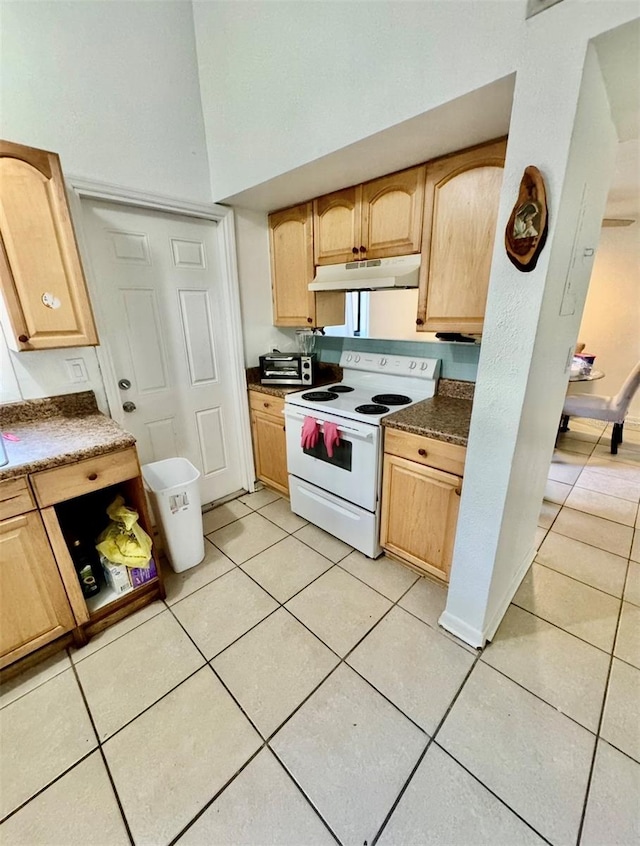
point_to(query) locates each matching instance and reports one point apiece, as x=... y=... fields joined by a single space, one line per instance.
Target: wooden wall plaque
x=526 y=232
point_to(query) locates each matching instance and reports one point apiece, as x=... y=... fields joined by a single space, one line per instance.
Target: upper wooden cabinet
x=292 y=269
x=378 y=219
x=462 y=196
x=45 y=294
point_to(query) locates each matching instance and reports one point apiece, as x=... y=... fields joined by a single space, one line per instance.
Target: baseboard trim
x=478 y=637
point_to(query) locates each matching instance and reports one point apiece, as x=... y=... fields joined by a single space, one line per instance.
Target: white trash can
x=172 y=486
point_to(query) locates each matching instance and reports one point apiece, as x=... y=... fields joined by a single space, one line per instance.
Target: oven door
x=353 y=473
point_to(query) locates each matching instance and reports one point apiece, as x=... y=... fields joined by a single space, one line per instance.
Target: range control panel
x=396 y=365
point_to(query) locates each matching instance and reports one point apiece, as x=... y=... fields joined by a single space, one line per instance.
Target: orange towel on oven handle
x=331 y=437
x=310 y=433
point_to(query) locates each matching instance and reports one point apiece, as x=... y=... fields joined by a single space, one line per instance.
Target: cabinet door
x=461 y=209
x=337 y=226
x=270 y=450
x=291 y=238
x=42 y=280
x=423 y=533
x=392 y=213
x=34 y=606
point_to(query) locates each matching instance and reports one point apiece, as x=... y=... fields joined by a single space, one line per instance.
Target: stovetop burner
x=371 y=408
x=391 y=399
x=341 y=389
x=320 y=396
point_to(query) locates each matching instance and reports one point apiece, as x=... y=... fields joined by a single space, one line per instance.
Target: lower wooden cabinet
x=269 y=440
x=40 y=595
x=34 y=608
x=420 y=510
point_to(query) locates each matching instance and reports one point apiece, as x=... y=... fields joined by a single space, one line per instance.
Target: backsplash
x=459 y=360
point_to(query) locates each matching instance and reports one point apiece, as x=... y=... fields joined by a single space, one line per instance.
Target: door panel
x=34 y=606
x=158 y=287
x=392 y=213
x=337 y=226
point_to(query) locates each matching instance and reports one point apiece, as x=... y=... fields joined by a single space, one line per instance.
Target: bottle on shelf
x=86 y=568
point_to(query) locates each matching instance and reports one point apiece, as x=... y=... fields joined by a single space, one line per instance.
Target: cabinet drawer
x=265 y=403
x=63 y=483
x=427 y=451
x=15 y=498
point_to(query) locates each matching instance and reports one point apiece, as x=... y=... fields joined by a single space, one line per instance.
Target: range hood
x=368 y=275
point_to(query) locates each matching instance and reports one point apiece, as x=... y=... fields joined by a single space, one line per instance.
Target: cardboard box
x=141 y=575
x=117 y=576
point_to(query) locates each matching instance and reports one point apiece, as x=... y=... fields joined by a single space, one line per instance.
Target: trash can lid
x=169 y=473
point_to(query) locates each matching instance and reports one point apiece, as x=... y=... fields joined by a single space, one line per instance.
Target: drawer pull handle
x=266 y=404
x=92 y=477
x=422 y=452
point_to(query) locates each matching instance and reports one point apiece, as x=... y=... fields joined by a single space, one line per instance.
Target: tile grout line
x=580 y=582
x=431 y=739
x=599 y=728
x=104 y=757
x=492 y=792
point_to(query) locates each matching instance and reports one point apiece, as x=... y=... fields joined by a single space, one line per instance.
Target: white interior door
x=158 y=286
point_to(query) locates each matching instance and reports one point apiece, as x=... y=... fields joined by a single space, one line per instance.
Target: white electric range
x=341 y=494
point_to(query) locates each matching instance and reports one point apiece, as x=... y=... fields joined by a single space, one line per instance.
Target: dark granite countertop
x=444 y=418
x=326 y=374
x=56 y=431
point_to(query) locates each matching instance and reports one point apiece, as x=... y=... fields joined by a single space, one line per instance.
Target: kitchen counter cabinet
x=291 y=247
x=421 y=487
x=44 y=290
x=47 y=492
x=462 y=195
x=378 y=219
x=269 y=440
x=34 y=606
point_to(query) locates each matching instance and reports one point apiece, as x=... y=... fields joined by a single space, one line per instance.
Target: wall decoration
x=526 y=231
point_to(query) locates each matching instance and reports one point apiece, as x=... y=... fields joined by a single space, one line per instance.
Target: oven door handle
x=348 y=430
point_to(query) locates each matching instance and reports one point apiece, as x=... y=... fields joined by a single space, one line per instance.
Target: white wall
x=113 y=88
x=560 y=121
x=110 y=86
x=611 y=321
x=284 y=83
x=252 y=241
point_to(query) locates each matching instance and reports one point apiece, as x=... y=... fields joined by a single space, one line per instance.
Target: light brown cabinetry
x=269 y=440
x=40 y=595
x=43 y=286
x=34 y=608
x=291 y=242
x=421 y=486
x=460 y=214
x=378 y=219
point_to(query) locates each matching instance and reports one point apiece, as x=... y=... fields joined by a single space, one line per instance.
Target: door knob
x=124 y=384
x=128 y=406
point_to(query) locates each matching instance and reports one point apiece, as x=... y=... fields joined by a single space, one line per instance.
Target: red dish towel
x=310 y=433
x=331 y=437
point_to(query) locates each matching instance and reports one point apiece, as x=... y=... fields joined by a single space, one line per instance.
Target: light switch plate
x=76 y=370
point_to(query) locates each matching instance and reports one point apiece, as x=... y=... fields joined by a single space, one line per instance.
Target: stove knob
x=349 y=357
x=383 y=361
x=412 y=365
x=357 y=359
x=424 y=365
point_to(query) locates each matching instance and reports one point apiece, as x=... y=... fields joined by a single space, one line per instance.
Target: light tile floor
x=291 y=691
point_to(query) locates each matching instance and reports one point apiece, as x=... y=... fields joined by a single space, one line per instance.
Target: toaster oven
x=288 y=368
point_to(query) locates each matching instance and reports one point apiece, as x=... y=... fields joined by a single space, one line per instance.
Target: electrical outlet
x=76 y=370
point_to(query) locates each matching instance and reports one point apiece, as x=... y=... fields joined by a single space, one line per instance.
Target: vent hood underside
x=368 y=275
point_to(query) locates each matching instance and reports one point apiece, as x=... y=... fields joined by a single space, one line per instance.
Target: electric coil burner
x=372 y=408
x=340 y=492
x=319 y=396
x=391 y=399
